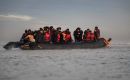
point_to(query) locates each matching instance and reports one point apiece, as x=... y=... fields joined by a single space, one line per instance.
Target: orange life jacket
x=47 y=36
x=67 y=37
x=88 y=36
x=92 y=36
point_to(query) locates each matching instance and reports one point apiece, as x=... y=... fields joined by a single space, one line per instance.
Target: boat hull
x=82 y=45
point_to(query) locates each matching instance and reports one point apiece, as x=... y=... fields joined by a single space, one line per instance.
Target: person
x=40 y=36
x=97 y=33
x=78 y=35
x=64 y=35
x=88 y=36
x=52 y=33
x=85 y=34
x=58 y=35
x=23 y=40
x=35 y=33
x=67 y=36
x=47 y=36
x=31 y=39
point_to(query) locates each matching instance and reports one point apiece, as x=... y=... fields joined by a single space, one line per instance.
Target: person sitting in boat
x=31 y=39
x=52 y=33
x=64 y=34
x=89 y=36
x=23 y=40
x=58 y=35
x=67 y=36
x=85 y=34
x=47 y=36
x=97 y=33
x=78 y=35
x=39 y=36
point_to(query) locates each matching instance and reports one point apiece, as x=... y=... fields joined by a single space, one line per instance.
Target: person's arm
x=27 y=37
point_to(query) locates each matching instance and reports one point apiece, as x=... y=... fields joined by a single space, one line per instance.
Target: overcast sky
x=112 y=16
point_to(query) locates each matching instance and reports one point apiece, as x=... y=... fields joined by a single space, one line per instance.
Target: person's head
x=67 y=31
x=88 y=29
x=59 y=29
x=26 y=31
x=78 y=28
x=47 y=27
x=44 y=27
x=96 y=27
x=51 y=27
x=29 y=31
x=40 y=29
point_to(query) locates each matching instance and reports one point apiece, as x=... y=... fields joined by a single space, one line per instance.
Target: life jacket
x=47 y=36
x=92 y=37
x=88 y=36
x=58 y=37
x=68 y=37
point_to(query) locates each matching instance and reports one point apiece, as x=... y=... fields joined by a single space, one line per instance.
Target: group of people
x=56 y=36
x=87 y=36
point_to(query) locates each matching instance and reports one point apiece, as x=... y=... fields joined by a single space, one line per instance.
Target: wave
x=121 y=44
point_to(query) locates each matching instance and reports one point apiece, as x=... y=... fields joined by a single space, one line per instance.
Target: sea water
x=77 y=64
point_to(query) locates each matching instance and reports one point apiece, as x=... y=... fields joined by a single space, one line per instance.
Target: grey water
x=111 y=63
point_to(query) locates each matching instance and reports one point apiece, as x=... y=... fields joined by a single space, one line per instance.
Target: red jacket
x=68 y=37
x=88 y=36
x=47 y=36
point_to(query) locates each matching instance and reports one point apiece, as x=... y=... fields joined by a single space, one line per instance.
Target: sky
x=111 y=16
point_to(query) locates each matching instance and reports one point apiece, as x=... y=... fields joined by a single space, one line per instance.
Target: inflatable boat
x=42 y=46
